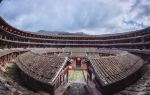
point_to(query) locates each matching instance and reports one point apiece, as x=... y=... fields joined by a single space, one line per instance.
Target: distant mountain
x=49 y=32
x=59 y=33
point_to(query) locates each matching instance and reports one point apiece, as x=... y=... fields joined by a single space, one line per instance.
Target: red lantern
x=78 y=59
x=70 y=68
x=67 y=69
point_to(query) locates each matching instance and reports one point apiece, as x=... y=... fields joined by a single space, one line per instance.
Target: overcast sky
x=89 y=16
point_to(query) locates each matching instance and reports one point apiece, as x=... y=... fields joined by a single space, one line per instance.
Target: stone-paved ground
x=140 y=87
x=76 y=76
x=76 y=89
x=9 y=84
x=3 y=89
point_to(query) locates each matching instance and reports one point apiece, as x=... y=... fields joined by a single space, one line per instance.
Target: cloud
x=90 y=16
x=131 y=22
x=1 y=1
